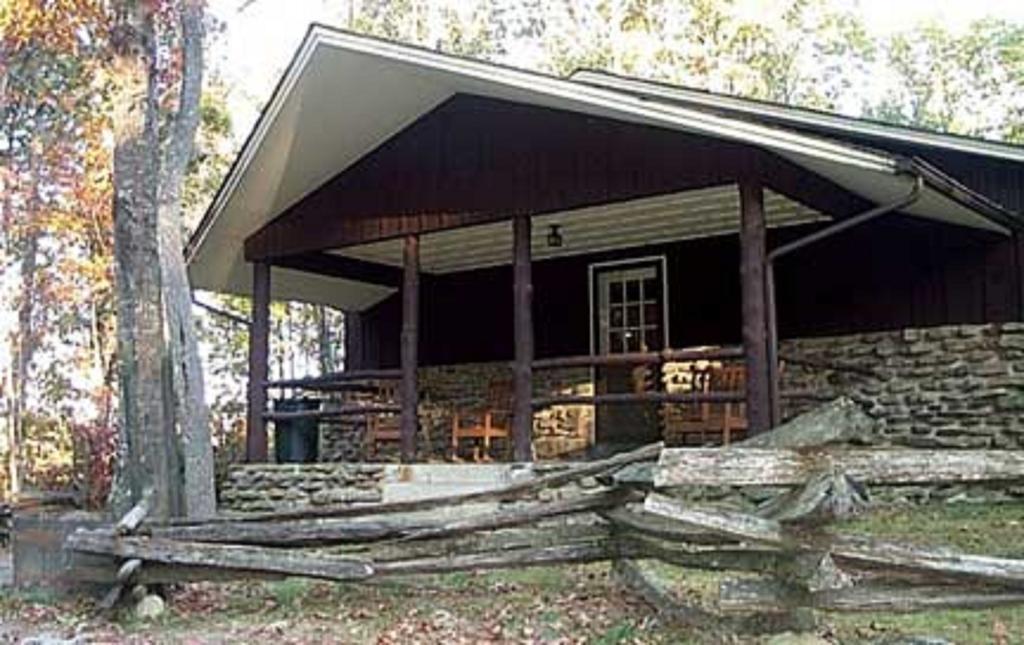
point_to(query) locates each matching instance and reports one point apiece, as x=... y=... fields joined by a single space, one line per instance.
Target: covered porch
x=462 y=213
x=607 y=364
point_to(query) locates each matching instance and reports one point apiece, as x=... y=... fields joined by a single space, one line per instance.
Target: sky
x=259 y=40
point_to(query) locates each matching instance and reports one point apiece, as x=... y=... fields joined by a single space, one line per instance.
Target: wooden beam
x=337 y=266
x=134 y=517
x=850 y=550
x=355 y=358
x=335 y=413
x=338 y=378
x=880 y=598
x=616 y=398
x=530 y=514
x=312 y=532
x=259 y=350
x=752 y=278
x=512 y=539
x=522 y=294
x=790 y=467
x=410 y=345
x=641 y=358
x=239 y=558
x=668 y=604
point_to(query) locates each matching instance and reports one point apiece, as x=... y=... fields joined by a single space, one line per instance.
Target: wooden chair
x=709 y=422
x=493 y=421
x=728 y=419
x=683 y=422
x=383 y=427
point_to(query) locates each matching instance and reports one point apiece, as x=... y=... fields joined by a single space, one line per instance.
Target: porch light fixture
x=555 y=236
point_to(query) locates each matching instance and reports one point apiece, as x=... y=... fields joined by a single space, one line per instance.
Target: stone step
x=398 y=491
x=457 y=474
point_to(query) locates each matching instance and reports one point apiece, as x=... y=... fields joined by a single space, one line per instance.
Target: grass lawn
x=558 y=605
x=996 y=529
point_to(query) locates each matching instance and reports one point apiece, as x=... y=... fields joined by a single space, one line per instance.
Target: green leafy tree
x=970 y=83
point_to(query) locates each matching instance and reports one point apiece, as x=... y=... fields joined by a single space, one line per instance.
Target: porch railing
x=354 y=380
x=371 y=379
x=641 y=358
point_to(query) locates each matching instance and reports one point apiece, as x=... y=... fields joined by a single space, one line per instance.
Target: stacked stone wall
x=267 y=487
x=959 y=386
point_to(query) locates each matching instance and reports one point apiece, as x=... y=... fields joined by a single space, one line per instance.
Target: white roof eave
x=801 y=116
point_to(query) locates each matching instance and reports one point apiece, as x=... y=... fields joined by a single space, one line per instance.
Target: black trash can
x=295 y=440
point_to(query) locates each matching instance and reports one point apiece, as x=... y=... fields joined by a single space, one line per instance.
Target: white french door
x=628 y=314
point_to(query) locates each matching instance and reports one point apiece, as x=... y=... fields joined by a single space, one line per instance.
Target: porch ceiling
x=628 y=224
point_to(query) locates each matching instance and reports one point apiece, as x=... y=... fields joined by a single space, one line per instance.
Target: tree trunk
x=190 y=410
x=22 y=358
x=145 y=462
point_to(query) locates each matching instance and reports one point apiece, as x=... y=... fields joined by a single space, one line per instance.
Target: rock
x=790 y=638
x=912 y=640
x=150 y=607
x=840 y=421
x=137 y=593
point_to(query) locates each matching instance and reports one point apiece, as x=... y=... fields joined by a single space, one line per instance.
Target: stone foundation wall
x=343 y=440
x=267 y=487
x=956 y=386
x=254 y=488
x=959 y=386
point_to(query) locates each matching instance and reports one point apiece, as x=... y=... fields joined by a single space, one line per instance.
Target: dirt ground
x=549 y=605
x=561 y=605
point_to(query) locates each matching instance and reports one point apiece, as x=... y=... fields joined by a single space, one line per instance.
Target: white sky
x=258 y=42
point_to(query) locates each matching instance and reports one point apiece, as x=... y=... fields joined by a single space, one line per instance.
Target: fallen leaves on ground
x=563 y=606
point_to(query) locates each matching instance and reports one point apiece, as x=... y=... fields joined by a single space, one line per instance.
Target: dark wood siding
x=475 y=160
x=893 y=273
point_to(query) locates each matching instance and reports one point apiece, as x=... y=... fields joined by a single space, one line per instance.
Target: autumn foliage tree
x=54 y=177
x=101 y=103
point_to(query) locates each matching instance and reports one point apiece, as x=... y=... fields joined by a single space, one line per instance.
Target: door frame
x=592 y=270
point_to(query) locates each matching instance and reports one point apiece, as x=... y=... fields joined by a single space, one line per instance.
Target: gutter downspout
x=795 y=245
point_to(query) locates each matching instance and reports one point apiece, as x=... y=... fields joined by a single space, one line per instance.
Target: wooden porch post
x=259 y=349
x=522 y=296
x=752 y=278
x=353 y=341
x=410 y=345
x=1018 y=255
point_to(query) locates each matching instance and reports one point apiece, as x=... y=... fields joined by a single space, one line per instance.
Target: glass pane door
x=628 y=316
x=629 y=311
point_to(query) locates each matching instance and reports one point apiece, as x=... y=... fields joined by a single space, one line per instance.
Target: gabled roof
x=344 y=94
x=803 y=118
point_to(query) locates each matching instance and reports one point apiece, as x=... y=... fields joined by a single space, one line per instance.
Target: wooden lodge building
x=596 y=260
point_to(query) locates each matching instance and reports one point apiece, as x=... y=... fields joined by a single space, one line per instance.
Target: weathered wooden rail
x=621 y=510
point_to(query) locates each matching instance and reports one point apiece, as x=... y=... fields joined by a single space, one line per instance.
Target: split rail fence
x=787 y=559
